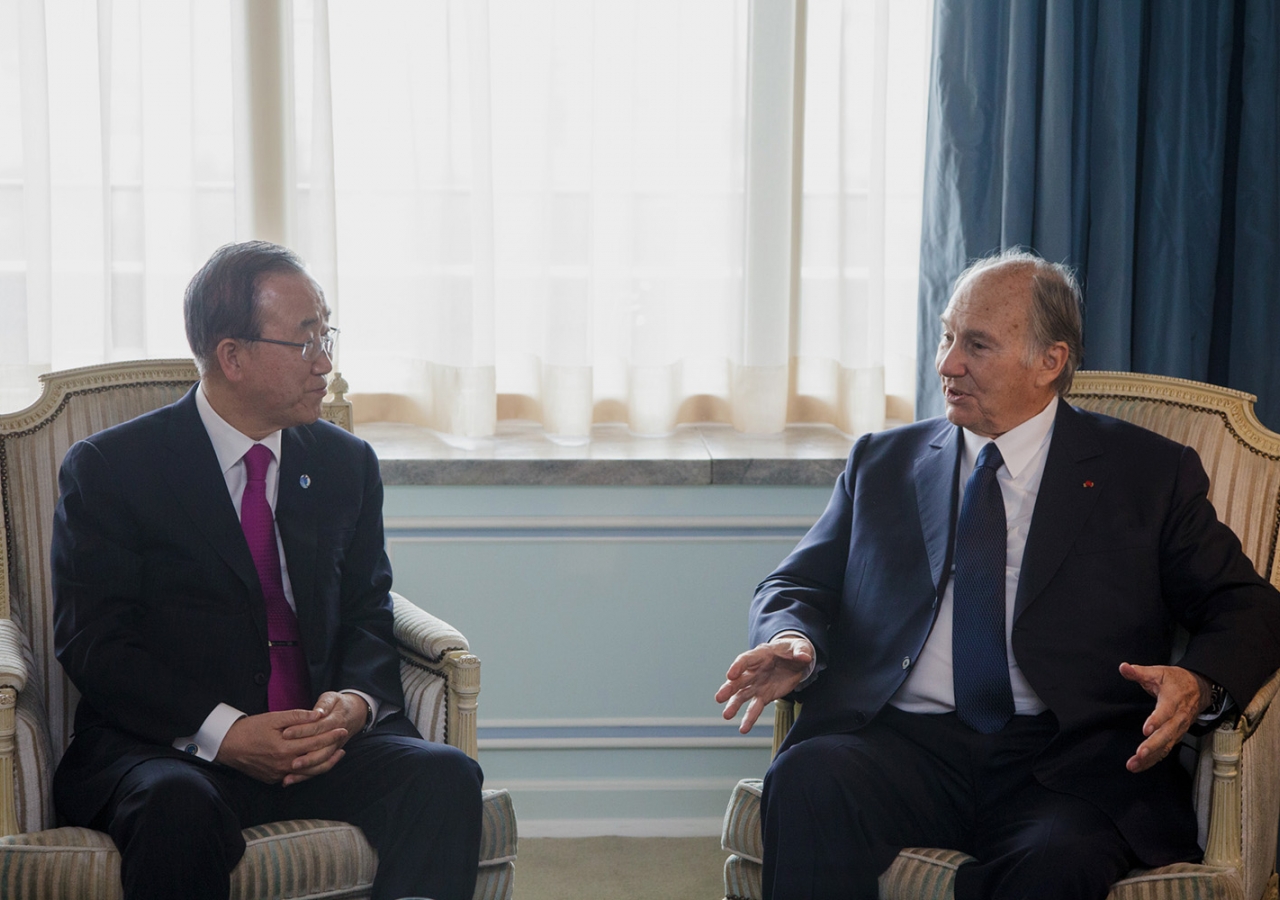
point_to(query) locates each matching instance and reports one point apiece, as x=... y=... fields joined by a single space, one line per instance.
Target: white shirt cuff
x=206 y=742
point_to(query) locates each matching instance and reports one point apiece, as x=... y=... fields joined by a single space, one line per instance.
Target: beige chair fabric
x=1237 y=793
x=39 y=861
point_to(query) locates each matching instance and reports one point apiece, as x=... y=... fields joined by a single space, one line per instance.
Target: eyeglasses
x=311 y=350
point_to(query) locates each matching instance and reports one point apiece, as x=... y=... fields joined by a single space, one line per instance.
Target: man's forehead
x=1000 y=293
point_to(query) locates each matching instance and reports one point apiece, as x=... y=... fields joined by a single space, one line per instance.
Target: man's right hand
x=760 y=676
x=256 y=746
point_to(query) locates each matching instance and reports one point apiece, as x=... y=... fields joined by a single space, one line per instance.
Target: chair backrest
x=1241 y=456
x=75 y=404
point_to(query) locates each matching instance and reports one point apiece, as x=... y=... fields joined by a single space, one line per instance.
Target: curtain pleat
x=1098 y=134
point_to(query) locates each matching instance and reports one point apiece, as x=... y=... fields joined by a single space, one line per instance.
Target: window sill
x=522 y=454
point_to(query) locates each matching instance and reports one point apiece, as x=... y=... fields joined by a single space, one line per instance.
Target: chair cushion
x=303 y=858
x=740 y=834
x=929 y=874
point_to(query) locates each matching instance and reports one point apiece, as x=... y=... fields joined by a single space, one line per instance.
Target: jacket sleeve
x=1231 y=612
x=367 y=657
x=100 y=622
x=803 y=594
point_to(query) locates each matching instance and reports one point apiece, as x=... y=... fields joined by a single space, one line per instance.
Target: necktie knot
x=257 y=460
x=989 y=457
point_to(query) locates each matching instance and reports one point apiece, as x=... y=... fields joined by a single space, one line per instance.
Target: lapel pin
x=305 y=481
x=1086 y=484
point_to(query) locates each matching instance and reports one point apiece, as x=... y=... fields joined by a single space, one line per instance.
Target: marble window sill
x=522 y=454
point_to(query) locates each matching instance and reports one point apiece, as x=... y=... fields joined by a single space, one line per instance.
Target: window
x=647 y=211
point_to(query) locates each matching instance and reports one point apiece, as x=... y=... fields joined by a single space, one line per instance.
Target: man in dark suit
x=221 y=602
x=977 y=624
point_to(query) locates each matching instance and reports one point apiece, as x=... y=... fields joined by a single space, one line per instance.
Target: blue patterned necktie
x=984 y=697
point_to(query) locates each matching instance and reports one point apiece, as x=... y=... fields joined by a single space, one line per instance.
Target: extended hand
x=762 y=675
x=1181 y=695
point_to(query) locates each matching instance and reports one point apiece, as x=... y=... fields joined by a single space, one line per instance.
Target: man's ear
x=230 y=356
x=1052 y=361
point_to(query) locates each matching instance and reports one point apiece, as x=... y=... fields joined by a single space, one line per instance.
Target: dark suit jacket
x=158 y=614
x=1123 y=544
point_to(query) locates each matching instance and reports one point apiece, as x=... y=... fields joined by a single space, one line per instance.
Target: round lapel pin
x=305 y=481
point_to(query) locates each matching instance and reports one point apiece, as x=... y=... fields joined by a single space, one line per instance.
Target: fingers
x=325 y=716
x=303 y=770
x=754 y=709
x=1155 y=748
x=1148 y=677
x=1178 y=701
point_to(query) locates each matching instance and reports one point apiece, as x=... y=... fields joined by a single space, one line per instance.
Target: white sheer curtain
x=115 y=177
x=570 y=211
x=866 y=85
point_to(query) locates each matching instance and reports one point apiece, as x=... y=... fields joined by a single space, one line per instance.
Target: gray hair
x=222 y=298
x=1055 y=306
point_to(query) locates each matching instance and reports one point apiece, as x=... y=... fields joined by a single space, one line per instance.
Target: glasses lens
x=312 y=349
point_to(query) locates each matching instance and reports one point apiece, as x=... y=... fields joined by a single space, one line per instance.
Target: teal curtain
x=1135 y=141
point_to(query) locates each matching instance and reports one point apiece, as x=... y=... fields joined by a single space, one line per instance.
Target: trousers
x=177 y=821
x=837 y=808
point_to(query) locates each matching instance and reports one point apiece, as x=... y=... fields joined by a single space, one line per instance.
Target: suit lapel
x=935 y=473
x=1066 y=498
x=301 y=481
x=191 y=468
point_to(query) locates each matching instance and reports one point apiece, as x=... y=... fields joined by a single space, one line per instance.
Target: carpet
x=620 y=868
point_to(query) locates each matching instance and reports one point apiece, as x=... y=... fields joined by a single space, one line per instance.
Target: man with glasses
x=221 y=602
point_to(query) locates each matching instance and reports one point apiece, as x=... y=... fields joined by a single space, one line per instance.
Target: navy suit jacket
x=1123 y=544
x=158 y=613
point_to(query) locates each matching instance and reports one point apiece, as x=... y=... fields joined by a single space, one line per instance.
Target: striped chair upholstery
x=298 y=859
x=1237 y=784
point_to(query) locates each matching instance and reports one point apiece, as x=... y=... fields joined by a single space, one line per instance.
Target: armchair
x=1237 y=778
x=297 y=859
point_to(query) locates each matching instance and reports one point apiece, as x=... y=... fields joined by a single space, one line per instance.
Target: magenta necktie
x=289 y=687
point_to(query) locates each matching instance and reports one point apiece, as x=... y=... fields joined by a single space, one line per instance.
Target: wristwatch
x=1217 y=699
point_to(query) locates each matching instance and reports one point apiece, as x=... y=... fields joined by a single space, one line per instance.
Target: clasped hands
x=773 y=670
x=293 y=745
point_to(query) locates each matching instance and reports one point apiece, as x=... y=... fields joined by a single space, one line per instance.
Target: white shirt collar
x=228 y=443
x=1018 y=445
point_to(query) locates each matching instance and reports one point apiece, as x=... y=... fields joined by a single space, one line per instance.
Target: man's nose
x=949 y=362
x=322 y=364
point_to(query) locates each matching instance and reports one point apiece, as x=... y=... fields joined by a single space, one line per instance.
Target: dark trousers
x=836 y=810
x=177 y=822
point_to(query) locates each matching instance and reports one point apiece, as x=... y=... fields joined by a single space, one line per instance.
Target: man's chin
x=958 y=415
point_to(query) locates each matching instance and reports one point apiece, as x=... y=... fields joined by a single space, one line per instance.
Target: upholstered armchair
x=1237 y=779
x=298 y=859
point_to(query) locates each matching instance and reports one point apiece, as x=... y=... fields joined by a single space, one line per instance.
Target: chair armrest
x=1246 y=792
x=422 y=633
x=433 y=648
x=13 y=678
x=13 y=665
x=1258 y=706
x=784 y=716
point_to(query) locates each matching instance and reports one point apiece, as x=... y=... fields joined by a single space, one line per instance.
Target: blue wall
x=605 y=618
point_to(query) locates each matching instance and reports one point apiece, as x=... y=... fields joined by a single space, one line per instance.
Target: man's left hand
x=1180 y=694
x=338 y=710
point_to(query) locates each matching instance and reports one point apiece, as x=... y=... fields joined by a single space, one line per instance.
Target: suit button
x=260 y=679
x=906 y=662
x=859 y=718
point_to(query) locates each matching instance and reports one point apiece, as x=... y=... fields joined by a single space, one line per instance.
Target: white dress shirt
x=929 y=687
x=230 y=446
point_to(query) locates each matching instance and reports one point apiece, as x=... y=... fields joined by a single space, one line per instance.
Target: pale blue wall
x=604 y=618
